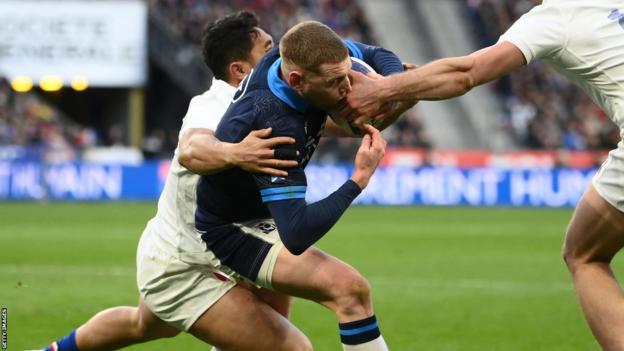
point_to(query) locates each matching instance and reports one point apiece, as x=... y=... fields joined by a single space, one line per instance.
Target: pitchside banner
x=104 y=41
x=431 y=186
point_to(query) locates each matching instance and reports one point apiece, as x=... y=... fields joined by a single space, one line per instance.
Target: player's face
x=328 y=87
x=262 y=43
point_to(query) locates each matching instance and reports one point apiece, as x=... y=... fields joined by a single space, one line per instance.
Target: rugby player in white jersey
x=583 y=40
x=239 y=44
x=175 y=271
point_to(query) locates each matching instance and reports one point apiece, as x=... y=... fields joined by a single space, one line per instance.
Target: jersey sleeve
x=273 y=188
x=237 y=121
x=202 y=113
x=384 y=62
x=539 y=33
x=300 y=224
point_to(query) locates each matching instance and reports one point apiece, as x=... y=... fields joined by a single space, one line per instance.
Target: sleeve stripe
x=286 y=196
x=353 y=49
x=283 y=189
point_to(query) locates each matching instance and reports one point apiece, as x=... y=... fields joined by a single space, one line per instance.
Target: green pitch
x=442 y=279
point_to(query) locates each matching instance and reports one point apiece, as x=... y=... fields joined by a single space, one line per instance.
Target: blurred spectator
x=25 y=119
x=188 y=17
x=154 y=143
x=545 y=111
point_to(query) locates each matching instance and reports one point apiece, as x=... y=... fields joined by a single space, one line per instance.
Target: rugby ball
x=364 y=68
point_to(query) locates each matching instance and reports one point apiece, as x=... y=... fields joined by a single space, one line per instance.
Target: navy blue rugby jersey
x=264 y=100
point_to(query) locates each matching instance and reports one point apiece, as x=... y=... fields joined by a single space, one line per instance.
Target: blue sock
x=359 y=332
x=67 y=343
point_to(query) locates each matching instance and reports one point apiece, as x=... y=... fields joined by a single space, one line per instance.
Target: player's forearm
x=441 y=79
x=300 y=225
x=202 y=153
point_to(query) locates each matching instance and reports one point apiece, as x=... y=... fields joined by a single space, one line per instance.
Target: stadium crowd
x=345 y=17
x=544 y=110
x=277 y=16
x=25 y=119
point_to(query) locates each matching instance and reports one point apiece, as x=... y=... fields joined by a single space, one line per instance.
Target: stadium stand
x=543 y=110
x=346 y=17
x=27 y=120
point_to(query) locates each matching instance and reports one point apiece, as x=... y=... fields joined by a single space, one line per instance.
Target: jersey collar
x=283 y=92
x=222 y=86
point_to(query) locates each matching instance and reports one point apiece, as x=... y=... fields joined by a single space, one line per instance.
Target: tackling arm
x=202 y=153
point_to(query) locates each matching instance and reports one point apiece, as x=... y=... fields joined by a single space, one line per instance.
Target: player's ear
x=238 y=70
x=295 y=80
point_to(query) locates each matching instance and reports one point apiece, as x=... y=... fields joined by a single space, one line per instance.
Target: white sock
x=215 y=349
x=378 y=344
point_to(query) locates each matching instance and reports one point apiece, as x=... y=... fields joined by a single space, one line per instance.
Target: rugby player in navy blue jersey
x=236 y=216
x=259 y=227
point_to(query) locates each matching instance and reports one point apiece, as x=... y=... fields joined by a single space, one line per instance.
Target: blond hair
x=311 y=44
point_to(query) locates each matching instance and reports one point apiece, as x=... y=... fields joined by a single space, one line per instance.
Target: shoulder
x=539 y=33
x=206 y=110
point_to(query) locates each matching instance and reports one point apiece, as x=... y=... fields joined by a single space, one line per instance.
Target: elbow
x=292 y=243
x=294 y=248
x=185 y=158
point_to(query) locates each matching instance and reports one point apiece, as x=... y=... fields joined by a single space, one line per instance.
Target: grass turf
x=442 y=278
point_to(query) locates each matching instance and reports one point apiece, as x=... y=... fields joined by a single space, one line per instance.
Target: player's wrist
x=232 y=155
x=384 y=88
x=360 y=178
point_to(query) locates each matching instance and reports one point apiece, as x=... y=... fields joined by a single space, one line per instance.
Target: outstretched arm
x=441 y=79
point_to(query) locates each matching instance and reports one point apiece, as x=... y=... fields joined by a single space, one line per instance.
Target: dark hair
x=228 y=39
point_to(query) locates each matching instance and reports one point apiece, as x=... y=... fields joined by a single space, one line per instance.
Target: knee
x=577 y=256
x=151 y=331
x=571 y=255
x=350 y=291
x=568 y=255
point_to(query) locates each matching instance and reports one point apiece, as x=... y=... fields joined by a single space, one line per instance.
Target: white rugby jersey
x=583 y=40
x=174 y=222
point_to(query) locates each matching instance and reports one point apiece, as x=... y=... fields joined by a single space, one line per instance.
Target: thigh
x=277 y=300
x=175 y=291
x=241 y=321
x=313 y=275
x=153 y=326
x=596 y=230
